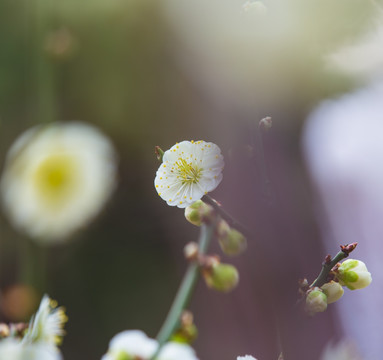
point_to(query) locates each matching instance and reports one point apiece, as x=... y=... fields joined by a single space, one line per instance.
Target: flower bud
x=191 y=251
x=197 y=212
x=333 y=290
x=221 y=277
x=232 y=242
x=187 y=332
x=354 y=274
x=316 y=301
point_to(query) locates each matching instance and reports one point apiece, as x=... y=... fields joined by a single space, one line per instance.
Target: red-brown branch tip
x=347 y=249
x=327 y=259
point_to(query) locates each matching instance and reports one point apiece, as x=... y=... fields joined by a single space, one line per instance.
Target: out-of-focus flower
x=333 y=290
x=57 y=178
x=344 y=350
x=189 y=170
x=316 y=301
x=354 y=274
x=246 y=357
x=13 y=349
x=134 y=343
x=48 y=324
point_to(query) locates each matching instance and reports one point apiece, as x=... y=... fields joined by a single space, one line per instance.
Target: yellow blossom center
x=54 y=177
x=189 y=173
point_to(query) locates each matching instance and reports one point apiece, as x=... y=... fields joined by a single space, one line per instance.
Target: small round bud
x=354 y=274
x=231 y=241
x=221 y=277
x=197 y=212
x=316 y=301
x=333 y=290
x=191 y=251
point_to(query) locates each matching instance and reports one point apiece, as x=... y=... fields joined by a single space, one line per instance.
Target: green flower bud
x=354 y=274
x=333 y=290
x=316 y=301
x=196 y=212
x=186 y=335
x=231 y=241
x=221 y=277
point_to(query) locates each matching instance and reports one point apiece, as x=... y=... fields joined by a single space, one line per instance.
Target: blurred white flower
x=57 y=178
x=47 y=325
x=130 y=342
x=134 y=343
x=246 y=357
x=189 y=170
x=14 y=349
x=177 y=351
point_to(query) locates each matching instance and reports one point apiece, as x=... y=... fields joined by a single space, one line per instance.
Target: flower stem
x=329 y=264
x=185 y=291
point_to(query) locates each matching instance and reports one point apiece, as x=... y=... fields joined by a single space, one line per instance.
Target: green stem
x=185 y=291
x=326 y=268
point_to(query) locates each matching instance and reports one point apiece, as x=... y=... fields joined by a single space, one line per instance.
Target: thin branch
x=225 y=215
x=330 y=263
x=181 y=301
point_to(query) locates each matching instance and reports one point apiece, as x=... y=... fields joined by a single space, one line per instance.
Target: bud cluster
x=351 y=273
x=217 y=275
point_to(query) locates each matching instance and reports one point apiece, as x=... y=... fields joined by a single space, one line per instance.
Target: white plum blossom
x=175 y=351
x=130 y=342
x=56 y=179
x=134 y=343
x=47 y=324
x=189 y=170
x=14 y=349
x=246 y=357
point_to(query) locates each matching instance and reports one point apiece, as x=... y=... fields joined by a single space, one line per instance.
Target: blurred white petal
x=57 y=178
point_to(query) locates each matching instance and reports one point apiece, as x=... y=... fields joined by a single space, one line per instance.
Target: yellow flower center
x=55 y=177
x=188 y=173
